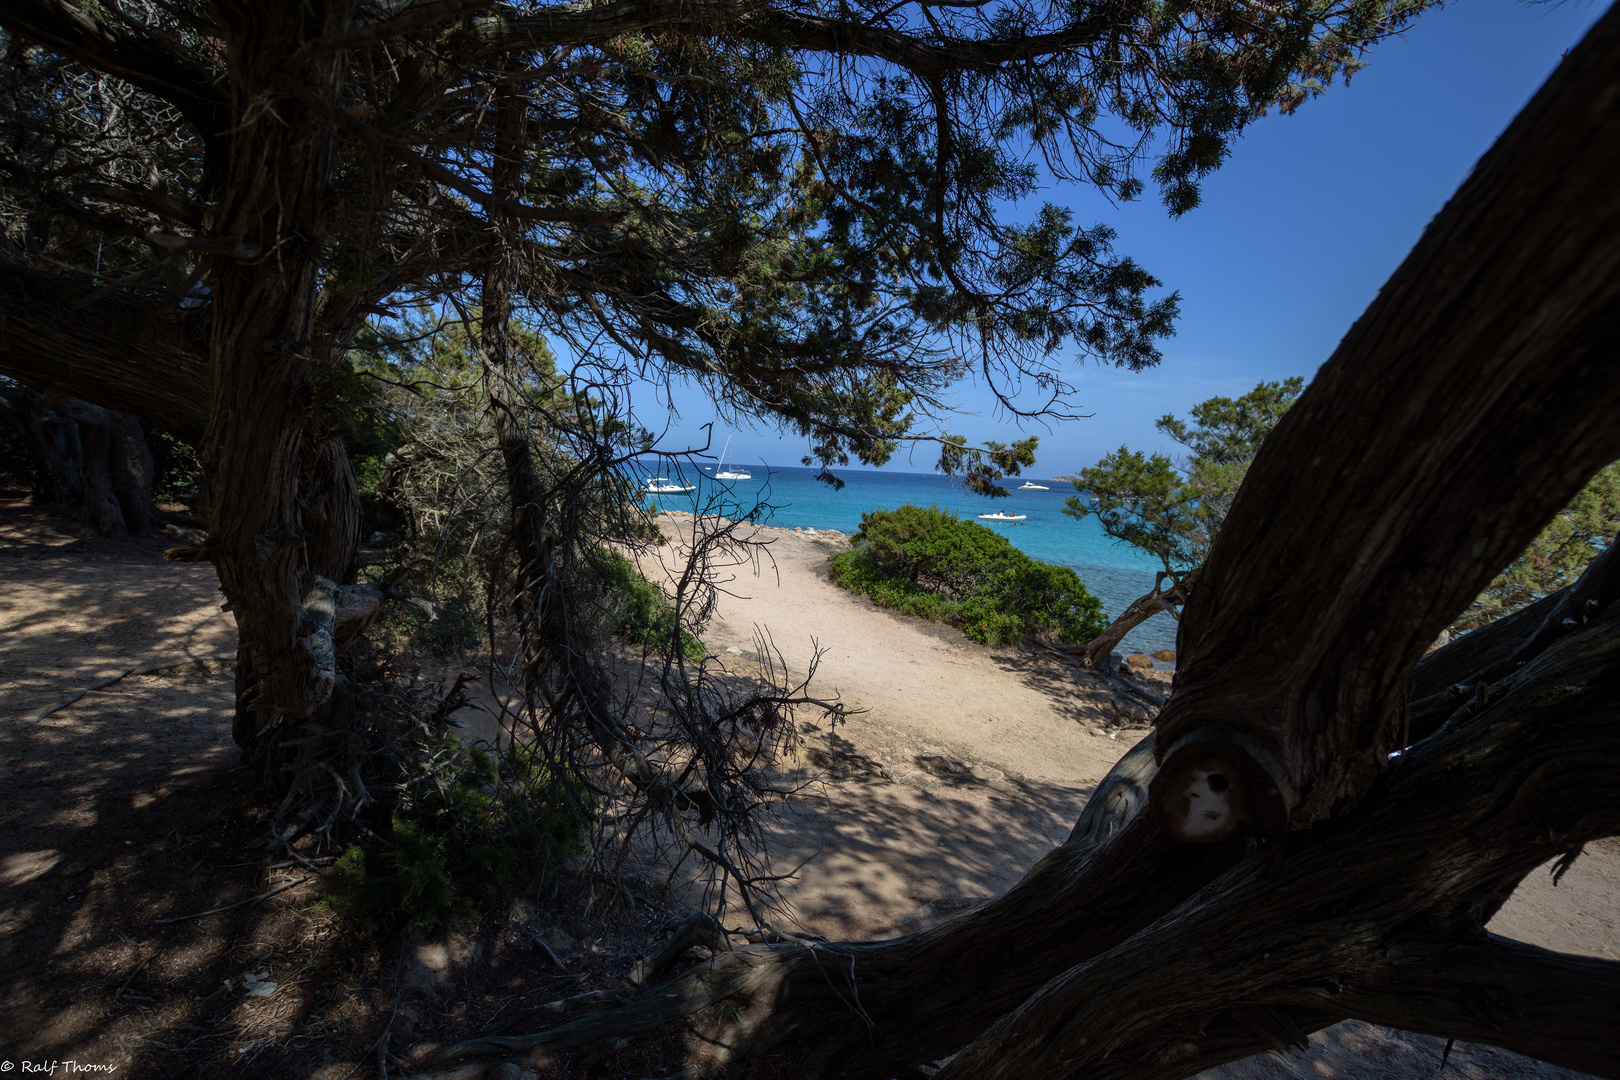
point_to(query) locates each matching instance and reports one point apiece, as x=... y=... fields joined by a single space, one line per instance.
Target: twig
x=562 y=1007
x=555 y=959
x=239 y=903
x=382 y=1043
x=138 y=669
x=118 y=995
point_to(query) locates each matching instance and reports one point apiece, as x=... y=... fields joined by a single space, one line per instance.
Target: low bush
x=928 y=562
x=637 y=609
x=470 y=830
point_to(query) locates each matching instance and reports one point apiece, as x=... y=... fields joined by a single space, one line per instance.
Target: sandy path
x=970 y=764
x=986 y=755
x=990 y=756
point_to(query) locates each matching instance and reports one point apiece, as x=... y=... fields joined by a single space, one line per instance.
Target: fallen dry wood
x=139 y=669
x=239 y=903
x=699 y=929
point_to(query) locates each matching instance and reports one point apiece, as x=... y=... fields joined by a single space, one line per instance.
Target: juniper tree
x=798 y=208
x=340 y=156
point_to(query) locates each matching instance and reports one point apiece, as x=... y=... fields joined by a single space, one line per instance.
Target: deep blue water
x=791 y=497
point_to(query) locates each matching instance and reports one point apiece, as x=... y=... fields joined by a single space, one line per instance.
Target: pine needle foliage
x=1555 y=558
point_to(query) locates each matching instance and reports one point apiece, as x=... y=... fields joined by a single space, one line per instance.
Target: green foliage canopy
x=1174 y=510
x=798 y=206
x=1580 y=532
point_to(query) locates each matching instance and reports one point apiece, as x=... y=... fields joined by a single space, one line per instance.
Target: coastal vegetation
x=801 y=208
x=928 y=562
x=472 y=830
x=1556 y=558
x=1171 y=509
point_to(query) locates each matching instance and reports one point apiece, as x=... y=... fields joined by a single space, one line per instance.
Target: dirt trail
x=966 y=765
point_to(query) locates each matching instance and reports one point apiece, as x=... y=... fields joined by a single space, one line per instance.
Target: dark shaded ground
x=129 y=806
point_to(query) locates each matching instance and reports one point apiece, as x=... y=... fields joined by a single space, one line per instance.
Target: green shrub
x=637 y=609
x=473 y=829
x=405 y=887
x=176 y=472
x=929 y=562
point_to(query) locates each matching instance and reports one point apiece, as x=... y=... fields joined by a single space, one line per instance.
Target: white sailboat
x=663 y=485
x=733 y=473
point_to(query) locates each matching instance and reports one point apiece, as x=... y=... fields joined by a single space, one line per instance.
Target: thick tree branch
x=1447 y=836
x=106 y=347
x=437 y=172
x=164 y=206
x=596 y=23
x=73 y=31
x=1472 y=400
x=1462 y=673
x=1477 y=650
x=1534 y=1001
x=414 y=18
x=1199 y=975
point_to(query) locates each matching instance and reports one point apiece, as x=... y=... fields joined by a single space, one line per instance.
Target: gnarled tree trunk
x=282 y=508
x=1156 y=602
x=1349 y=852
x=92 y=459
x=115 y=467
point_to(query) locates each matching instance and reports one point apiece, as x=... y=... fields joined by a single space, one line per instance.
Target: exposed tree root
x=699 y=929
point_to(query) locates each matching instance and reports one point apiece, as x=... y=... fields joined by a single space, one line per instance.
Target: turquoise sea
x=791 y=497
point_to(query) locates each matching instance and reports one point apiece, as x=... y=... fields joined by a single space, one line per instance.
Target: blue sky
x=1295 y=234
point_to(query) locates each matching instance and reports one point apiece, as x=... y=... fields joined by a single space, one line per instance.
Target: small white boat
x=1034 y=487
x=999 y=516
x=732 y=473
x=662 y=485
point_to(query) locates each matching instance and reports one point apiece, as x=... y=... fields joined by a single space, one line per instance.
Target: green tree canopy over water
x=1172 y=510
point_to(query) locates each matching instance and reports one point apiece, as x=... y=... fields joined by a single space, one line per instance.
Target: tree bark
x=282 y=512
x=115 y=466
x=531 y=539
x=1139 y=611
x=1468 y=404
x=1126 y=954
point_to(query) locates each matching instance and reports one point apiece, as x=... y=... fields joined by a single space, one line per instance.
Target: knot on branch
x=1215 y=783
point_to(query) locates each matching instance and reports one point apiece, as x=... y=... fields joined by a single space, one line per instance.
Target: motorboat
x=999 y=516
x=663 y=485
x=1034 y=487
x=733 y=473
